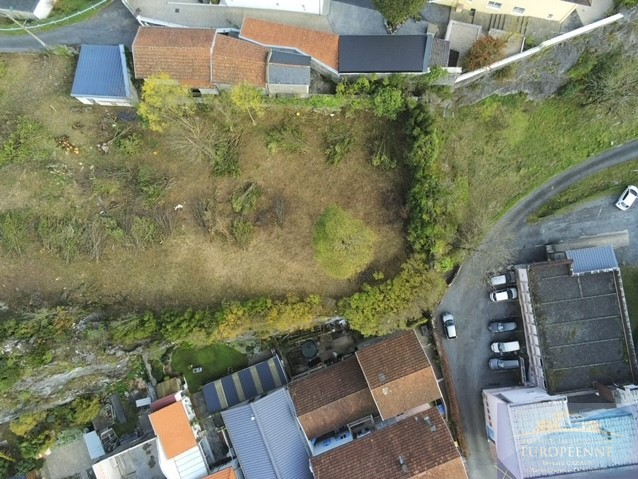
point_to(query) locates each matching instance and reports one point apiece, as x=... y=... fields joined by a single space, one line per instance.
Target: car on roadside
x=627 y=198
x=507 y=294
x=505 y=347
x=504 y=279
x=449 y=326
x=502 y=326
x=498 y=364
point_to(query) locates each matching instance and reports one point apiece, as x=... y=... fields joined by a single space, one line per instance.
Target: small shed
x=288 y=73
x=94 y=445
x=26 y=9
x=102 y=77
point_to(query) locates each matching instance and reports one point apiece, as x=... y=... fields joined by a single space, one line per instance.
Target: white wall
x=307 y=6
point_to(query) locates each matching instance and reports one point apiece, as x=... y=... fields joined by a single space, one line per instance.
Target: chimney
x=404 y=466
x=430 y=424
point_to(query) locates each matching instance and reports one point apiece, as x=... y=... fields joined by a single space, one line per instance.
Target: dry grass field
x=96 y=227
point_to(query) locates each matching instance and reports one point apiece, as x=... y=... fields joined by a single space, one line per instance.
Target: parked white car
x=627 y=198
x=509 y=277
x=504 y=295
x=503 y=347
x=449 y=328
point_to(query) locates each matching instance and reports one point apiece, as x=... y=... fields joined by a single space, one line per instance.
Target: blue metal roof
x=593 y=260
x=101 y=73
x=267 y=439
x=244 y=385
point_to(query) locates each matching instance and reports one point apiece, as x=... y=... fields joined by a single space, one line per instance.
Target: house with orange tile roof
x=322 y=47
x=178 y=442
x=208 y=61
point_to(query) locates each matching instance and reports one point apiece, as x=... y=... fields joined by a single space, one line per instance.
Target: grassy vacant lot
x=90 y=226
x=215 y=361
x=502 y=148
x=609 y=182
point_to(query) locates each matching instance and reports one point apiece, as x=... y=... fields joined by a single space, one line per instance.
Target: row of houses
x=273 y=57
x=376 y=413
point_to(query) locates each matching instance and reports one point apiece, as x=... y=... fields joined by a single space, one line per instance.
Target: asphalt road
x=112 y=25
x=467 y=357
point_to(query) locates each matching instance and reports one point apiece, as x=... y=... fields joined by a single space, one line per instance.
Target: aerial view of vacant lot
x=95 y=208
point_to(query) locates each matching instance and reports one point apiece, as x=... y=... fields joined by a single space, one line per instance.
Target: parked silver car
x=502 y=325
x=504 y=347
x=449 y=327
x=498 y=364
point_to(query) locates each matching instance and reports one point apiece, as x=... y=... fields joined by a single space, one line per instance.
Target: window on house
x=518 y=10
x=550 y=16
x=494 y=5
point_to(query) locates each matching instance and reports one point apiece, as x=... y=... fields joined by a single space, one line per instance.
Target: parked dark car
x=498 y=364
x=502 y=325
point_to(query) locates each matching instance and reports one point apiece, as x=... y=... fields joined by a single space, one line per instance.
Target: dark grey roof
x=440 y=53
x=288 y=75
x=101 y=73
x=383 y=53
x=580 y=326
x=289 y=58
x=267 y=438
x=593 y=260
x=19 y=5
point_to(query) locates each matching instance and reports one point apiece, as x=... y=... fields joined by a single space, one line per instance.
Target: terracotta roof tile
x=331 y=398
x=228 y=473
x=321 y=46
x=426 y=453
x=236 y=61
x=398 y=373
x=173 y=429
x=182 y=53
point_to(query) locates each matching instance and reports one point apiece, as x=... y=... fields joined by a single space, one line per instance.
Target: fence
x=466 y=78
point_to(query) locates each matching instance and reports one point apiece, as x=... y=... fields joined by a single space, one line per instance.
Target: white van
x=508 y=294
x=509 y=277
x=505 y=347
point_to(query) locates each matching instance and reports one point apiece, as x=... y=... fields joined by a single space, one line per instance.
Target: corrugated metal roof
x=383 y=53
x=94 y=445
x=191 y=465
x=267 y=439
x=101 y=73
x=244 y=385
x=592 y=260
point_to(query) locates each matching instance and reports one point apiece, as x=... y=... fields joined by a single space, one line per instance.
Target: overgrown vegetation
x=339 y=142
x=343 y=245
x=398 y=11
x=484 y=52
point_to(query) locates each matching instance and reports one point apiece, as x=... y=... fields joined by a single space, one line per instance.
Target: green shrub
x=25 y=141
x=152 y=185
x=129 y=145
x=244 y=198
x=398 y=11
x=339 y=143
x=14 y=231
x=62 y=236
x=388 y=102
x=144 y=231
x=380 y=155
x=287 y=137
x=225 y=160
x=242 y=232
x=343 y=245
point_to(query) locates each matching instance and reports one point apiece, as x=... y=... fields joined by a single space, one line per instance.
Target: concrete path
x=467 y=297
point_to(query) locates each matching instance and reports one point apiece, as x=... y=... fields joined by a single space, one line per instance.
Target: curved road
x=467 y=298
x=112 y=25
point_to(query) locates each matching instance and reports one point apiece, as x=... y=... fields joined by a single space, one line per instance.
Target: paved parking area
x=67 y=461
